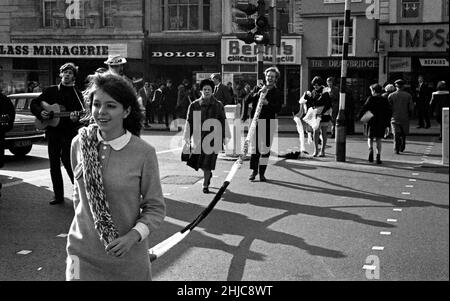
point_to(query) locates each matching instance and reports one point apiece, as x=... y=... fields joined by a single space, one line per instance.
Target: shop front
x=410 y=50
x=24 y=64
x=239 y=66
x=189 y=61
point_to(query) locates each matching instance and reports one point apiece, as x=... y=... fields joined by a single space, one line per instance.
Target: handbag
x=366 y=117
x=186 y=152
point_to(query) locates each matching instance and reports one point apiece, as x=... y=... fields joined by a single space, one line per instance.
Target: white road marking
x=378 y=248
x=392 y=220
x=412 y=180
x=24 y=252
x=385 y=233
x=401 y=201
x=62 y=235
x=39 y=268
x=406 y=193
x=415 y=173
x=409 y=186
x=397 y=209
x=369 y=267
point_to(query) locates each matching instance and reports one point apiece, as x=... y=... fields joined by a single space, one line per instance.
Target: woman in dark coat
x=206 y=142
x=375 y=129
x=440 y=99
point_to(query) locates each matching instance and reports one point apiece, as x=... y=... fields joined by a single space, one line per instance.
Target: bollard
x=232 y=113
x=445 y=132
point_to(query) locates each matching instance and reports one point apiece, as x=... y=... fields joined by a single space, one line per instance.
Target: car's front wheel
x=20 y=151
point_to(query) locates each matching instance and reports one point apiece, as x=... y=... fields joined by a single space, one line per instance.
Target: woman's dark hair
x=317 y=80
x=121 y=91
x=376 y=88
x=206 y=82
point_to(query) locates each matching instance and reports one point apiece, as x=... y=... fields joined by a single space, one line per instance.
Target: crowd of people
x=389 y=110
x=118 y=197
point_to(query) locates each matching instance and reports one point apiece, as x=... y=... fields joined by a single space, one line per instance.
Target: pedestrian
x=170 y=96
x=265 y=128
x=158 y=102
x=7 y=116
x=333 y=91
x=375 y=129
x=423 y=96
x=221 y=92
x=402 y=107
x=183 y=99
x=205 y=109
x=59 y=136
x=388 y=90
x=440 y=99
x=231 y=91
x=145 y=94
x=319 y=100
x=118 y=197
x=37 y=87
x=116 y=64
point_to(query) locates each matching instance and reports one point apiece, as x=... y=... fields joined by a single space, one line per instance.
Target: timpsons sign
x=62 y=50
x=235 y=51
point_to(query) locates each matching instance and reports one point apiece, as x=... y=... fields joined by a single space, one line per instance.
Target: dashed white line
x=415 y=173
x=24 y=252
x=397 y=209
x=409 y=186
x=392 y=220
x=412 y=180
x=62 y=235
x=406 y=192
x=401 y=201
x=385 y=233
x=378 y=248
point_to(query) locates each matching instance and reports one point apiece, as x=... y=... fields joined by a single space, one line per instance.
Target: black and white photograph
x=229 y=148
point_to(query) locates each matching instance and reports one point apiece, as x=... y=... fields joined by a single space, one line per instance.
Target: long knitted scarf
x=94 y=185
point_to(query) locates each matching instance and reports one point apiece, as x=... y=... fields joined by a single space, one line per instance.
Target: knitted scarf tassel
x=94 y=185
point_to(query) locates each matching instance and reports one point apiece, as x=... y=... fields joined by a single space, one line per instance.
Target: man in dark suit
x=7 y=115
x=170 y=95
x=221 y=91
x=423 y=96
x=146 y=96
x=59 y=137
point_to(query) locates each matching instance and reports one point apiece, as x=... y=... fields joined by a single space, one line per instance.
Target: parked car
x=24 y=134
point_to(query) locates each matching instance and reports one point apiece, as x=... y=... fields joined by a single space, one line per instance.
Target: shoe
x=56 y=201
x=370 y=156
x=378 y=159
x=262 y=178
x=322 y=155
x=397 y=152
x=205 y=190
x=253 y=176
x=262 y=171
x=402 y=149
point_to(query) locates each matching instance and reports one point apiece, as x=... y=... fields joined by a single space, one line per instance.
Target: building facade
x=323 y=28
x=239 y=60
x=414 y=40
x=182 y=39
x=38 y=36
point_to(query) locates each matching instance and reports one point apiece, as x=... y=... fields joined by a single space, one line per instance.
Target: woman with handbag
x=205 y=132
x=375 y=127
x=320 y=101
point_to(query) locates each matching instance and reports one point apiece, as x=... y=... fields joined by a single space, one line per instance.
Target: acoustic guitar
x=55 y=112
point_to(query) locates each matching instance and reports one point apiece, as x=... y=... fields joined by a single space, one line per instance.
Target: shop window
x=80 y=22
x=107 y=13
x=48 y=8
x=185 y=15
x=231 y=68
x=336 y=36
x=411 y=10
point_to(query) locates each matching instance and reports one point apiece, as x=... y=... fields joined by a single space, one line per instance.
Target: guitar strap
x=74 y=91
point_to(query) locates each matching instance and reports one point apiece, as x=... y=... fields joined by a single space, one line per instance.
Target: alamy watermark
x=72 y=267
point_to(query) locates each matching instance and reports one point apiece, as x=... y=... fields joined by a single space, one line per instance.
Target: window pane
x=182 y=18
x=173 y=18
x=193 y=17
x=410 y=8
x=206 y=13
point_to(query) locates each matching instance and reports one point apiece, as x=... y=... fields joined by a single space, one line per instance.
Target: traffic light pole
x=260 y=65
x=340 y=121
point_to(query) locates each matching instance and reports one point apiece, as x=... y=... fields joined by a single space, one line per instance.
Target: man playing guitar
x=59 y=136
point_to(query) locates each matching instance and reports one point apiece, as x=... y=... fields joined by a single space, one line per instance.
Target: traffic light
x=246 y=23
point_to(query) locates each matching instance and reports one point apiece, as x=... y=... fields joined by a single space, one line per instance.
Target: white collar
x=117 y=143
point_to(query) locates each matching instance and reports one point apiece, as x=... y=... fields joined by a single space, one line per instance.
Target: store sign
x=235 y=51
x=416 y=37
x=436 y=62
x=62 y=50
x=178 y=54
x=399 y=64
x=360 y=63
